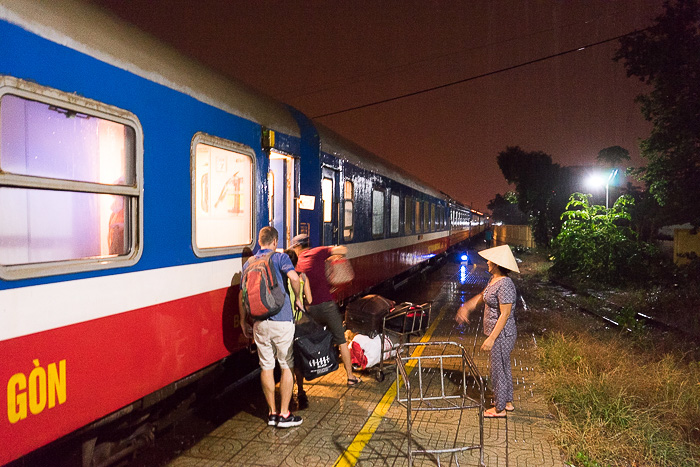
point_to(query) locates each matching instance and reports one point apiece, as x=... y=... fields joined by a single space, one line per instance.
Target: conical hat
x=502 y=256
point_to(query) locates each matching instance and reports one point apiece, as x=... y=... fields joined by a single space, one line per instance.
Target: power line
x=342 y=82
x=483 y=75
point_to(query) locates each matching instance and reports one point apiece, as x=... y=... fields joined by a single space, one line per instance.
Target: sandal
x=510 y=408
x=352 y=382
x=491 y=413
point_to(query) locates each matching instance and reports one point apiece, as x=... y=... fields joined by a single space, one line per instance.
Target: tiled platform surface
x=340 y=429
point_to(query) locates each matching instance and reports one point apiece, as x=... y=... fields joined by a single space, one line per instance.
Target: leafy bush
x=596 y=244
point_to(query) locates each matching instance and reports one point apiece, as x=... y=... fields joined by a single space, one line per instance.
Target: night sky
x=323 y=57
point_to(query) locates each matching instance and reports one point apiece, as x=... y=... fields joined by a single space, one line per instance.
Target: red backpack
x=263 y=297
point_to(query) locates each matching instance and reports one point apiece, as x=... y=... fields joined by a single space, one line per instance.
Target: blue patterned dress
x=501 y=292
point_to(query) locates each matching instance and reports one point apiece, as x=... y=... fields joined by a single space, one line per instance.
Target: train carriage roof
x=334 y=144
x=100 y=34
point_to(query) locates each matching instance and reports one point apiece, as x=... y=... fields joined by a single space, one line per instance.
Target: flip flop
x=354 y=382
x=491 y=414
x=510 y=409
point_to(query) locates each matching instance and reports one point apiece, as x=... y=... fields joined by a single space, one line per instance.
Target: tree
x=613 y=156
x=667 y=57
x=535 y=178
x=504 y=208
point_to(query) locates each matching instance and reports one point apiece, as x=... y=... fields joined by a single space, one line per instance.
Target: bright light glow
x=464 y=257
x=595 y=181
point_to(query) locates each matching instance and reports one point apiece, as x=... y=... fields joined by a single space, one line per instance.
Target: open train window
x=70 y=180
x=377 y=213
x=395 y=213
x=222 y=195
x=348 y=210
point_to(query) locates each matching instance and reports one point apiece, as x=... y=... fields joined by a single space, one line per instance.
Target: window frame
x=394 y=214
x=233 y=146
x=134 y=193
x=348 y=230
x=383 y=210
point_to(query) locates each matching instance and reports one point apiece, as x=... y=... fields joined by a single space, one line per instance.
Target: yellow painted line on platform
x=352 y=454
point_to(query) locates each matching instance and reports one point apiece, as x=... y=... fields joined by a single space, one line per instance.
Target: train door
x=329 y=200
x=281 y=205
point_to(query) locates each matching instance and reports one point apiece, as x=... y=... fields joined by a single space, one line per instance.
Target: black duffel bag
x=314 y=352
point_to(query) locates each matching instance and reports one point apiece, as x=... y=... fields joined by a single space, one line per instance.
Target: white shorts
x=275 y=341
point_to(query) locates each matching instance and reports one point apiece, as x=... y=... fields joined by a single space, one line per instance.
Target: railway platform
x=364 y=425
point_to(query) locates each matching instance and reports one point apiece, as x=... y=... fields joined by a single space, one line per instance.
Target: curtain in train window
x=395 y=207
x=223 y=197
x=327 y=197
x=377 y=213
x=417 y=217
x=348 y=209
x=70 y=167
x=408 y=215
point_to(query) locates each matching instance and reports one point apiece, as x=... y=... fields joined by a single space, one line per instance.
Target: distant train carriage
x=133 y=183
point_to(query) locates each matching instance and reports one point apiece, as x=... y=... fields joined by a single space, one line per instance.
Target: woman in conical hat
x=499 y=300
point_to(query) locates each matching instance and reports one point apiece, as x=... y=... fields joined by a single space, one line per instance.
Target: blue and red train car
x=133 y=183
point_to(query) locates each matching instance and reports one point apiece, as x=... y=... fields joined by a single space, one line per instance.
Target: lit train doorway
x=281 y=205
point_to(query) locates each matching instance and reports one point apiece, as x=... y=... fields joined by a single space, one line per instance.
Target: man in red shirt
x=323 y=308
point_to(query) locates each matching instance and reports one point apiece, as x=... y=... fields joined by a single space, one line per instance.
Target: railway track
x=613 y=314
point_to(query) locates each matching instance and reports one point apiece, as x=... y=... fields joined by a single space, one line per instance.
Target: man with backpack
x=263 y=299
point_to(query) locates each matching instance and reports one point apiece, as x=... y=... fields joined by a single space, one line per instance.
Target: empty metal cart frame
x=440 y=376
x=403 y=321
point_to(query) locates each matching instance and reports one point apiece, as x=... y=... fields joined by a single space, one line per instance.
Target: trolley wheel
x=379 y=376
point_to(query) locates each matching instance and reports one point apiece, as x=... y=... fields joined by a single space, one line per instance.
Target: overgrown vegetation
x=620 y=398
x=618 y=406
x=597 y=245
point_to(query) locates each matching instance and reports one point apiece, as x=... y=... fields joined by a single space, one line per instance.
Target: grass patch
x=619 y=406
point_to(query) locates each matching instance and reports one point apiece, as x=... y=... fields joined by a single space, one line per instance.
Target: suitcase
x=365 y=315
x=409 y=318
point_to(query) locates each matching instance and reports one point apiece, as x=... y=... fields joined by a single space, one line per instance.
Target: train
x=133 y=182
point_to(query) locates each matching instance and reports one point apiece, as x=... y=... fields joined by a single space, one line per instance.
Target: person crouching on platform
x=499 y=298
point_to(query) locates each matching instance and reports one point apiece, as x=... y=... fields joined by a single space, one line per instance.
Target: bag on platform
x=338 y=270
x=314 y=353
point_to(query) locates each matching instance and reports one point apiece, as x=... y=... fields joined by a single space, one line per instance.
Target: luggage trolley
x=403 y=321
x=445 y=379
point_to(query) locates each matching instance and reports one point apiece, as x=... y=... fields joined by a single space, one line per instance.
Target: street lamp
x=613 y=172
x=596 y=180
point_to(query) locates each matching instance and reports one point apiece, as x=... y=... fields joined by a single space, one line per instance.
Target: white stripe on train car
x=27 y=310
x=356 y=250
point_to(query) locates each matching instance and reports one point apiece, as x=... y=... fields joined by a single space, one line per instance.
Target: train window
x=409 y=221
x=395 y=212
x=70 y=179
x=417 y=220
x=349 y=210
x=222 y=196
x=327 y=197
x=425 y=212
x=377 y=213
x=432 y=217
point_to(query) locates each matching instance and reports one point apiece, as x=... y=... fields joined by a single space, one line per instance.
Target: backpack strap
x=270 y=268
